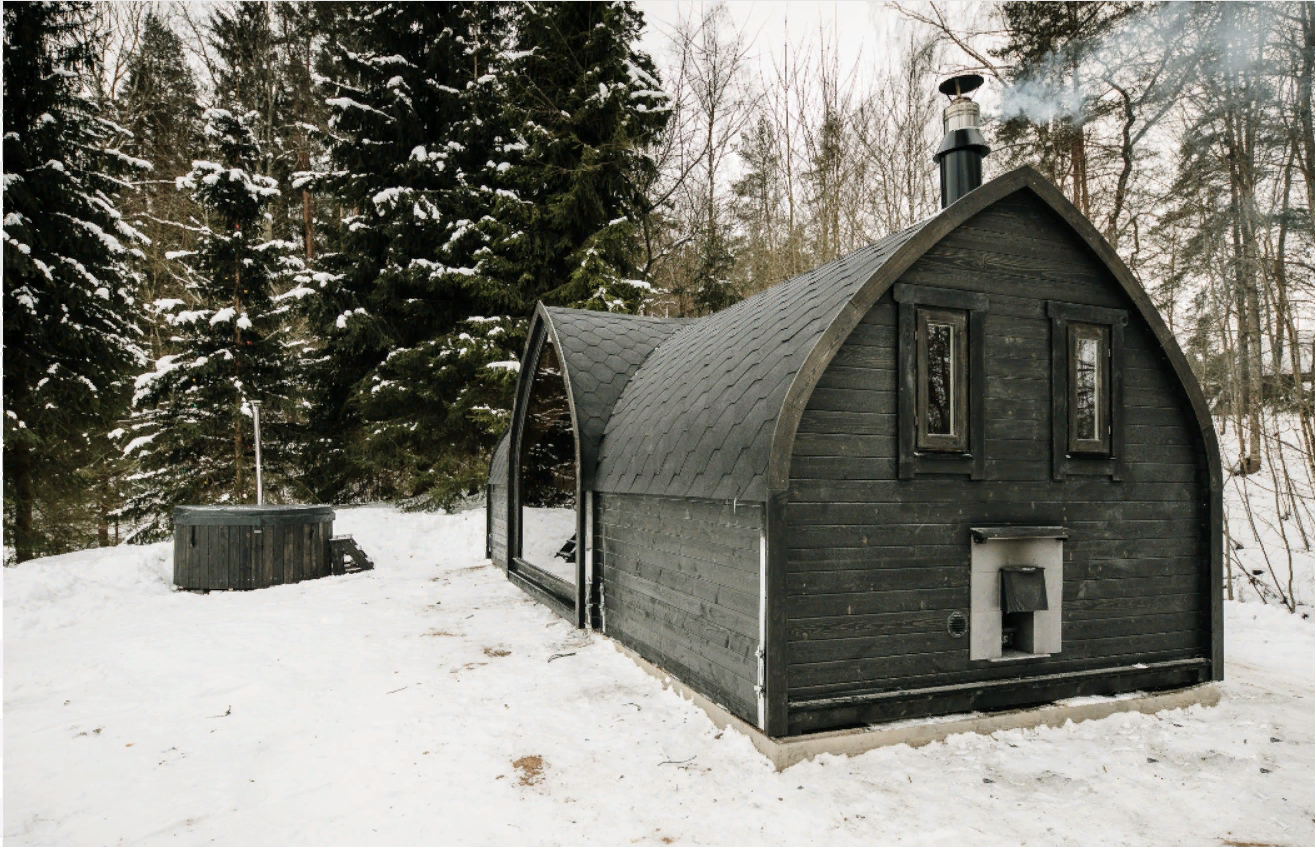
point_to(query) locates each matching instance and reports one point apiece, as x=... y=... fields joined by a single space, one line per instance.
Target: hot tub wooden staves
x=238 y=548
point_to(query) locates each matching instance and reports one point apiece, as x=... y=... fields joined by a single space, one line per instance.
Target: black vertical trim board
x=977 y=392
x=778 y=681
x=912 y=462
x=488 y=521
x=1058 y=398
x=581 y=547
x=1216 y=581
x=596 y=550
x=1118 y=457
x=1061 y=462
x=524 y=385
x=908 y=389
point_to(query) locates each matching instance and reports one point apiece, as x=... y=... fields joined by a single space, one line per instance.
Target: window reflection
x=547 y=472
x=940 y=379
x=1086 y=413
x=1088 y=389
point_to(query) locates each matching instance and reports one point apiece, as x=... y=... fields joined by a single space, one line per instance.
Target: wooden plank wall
x=680 y=588
x=245 y=557
x=875 y=564
x=498 y=499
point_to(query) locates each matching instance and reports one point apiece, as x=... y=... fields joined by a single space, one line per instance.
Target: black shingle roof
x=600 y=351
x=696 y=419
x=691 y=408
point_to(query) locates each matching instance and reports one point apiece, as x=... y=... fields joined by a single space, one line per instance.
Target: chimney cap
x=957 y=86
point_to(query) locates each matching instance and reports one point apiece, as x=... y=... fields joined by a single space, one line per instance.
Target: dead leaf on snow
x=530 y=768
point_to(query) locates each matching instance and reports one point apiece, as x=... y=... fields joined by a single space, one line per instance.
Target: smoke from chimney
x=963 y=148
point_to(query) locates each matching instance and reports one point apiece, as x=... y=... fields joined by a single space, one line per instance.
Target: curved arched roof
x=599 y=352
x=697 y=419
x=709 y=407
x=713 y=410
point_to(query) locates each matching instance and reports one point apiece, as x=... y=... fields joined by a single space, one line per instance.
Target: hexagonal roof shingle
x=696 y=418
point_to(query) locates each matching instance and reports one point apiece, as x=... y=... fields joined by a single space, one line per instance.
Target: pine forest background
x=346 y=212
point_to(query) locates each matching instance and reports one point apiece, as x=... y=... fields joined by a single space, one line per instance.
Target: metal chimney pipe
x=963 y=148
x=260 y=480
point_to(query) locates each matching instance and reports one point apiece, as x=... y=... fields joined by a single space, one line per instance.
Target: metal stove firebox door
x=1022 y=589
x=1017 y=592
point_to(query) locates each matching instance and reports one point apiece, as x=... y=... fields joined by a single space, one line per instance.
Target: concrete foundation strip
x=783 y=753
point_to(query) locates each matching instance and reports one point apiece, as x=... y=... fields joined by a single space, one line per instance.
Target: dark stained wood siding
x=680 y=588
x=498 y=523
x=876 y=564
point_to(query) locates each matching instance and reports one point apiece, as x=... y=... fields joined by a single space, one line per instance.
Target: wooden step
x=347 y=556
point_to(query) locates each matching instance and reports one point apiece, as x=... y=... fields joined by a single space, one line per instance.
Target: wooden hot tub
x=222 y=548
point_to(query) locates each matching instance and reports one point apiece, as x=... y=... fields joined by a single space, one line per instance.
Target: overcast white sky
x=857 y=28
x=863 y=32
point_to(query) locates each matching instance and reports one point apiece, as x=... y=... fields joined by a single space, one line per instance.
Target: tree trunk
x=308 y=219
x=1252 y=283
x=1125 y=170
x=307 y=205
x=1306 y=68
x=103 y=524
x=1248 y=359
x=18 y=464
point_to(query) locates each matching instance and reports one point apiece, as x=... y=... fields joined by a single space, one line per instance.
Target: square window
x=942 y=380
x=1088 y=388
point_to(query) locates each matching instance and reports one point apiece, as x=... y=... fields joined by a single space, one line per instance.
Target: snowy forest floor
x=422 y=703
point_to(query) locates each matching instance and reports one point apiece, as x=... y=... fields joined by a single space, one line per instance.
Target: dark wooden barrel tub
x=237 y=548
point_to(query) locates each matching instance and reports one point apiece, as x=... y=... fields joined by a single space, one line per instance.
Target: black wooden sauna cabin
x=966 y=467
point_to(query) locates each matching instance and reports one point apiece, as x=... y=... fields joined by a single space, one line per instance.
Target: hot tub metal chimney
x=963 y=148
x=260 y=480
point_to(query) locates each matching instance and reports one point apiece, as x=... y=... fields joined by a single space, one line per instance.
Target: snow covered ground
x=1271 y=517
x=430 y=701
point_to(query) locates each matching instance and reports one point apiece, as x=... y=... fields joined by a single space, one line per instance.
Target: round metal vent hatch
x=956 y=624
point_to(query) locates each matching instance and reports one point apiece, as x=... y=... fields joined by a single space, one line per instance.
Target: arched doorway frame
x=571 y=602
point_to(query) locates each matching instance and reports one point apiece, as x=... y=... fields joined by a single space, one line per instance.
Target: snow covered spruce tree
x=264 y=56
x=416 y=325
x=589 y=106
x=491 y=156
x=71 y=332
x=158 y=106
x=192 y=428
